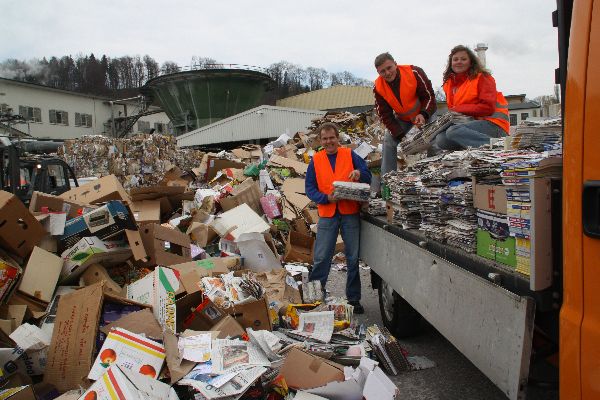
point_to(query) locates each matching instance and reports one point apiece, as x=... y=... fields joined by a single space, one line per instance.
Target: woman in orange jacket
x=471 y=90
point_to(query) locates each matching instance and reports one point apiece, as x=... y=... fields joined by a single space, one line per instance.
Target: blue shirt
x=311 y=187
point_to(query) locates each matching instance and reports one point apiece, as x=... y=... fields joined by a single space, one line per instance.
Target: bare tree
x=169 y=67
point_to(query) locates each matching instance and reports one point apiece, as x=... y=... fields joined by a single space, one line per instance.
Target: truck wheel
x=398 y=316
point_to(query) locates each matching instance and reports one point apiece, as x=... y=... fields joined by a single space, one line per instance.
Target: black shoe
x=358 y=308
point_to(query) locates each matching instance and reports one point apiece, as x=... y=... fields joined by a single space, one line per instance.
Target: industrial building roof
x=335 y=97
x=522 y=106
x=263 y=122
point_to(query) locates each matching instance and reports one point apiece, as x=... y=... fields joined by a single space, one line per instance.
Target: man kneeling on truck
x=335 y=163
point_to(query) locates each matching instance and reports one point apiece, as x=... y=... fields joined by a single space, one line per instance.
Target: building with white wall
x=61 y=114
x=260 y=123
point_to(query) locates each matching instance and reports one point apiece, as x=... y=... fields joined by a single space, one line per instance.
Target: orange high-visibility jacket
x=326 y=176
x=411 y=105
x=467 y=93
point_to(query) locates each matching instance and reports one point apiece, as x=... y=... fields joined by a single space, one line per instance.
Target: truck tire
x=399 y=317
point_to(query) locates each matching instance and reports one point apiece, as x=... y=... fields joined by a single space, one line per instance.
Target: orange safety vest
x=411 y=105
x=467 y=93
x=326 y=176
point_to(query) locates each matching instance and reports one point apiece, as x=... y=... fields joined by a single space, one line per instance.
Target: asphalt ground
x=453 y=377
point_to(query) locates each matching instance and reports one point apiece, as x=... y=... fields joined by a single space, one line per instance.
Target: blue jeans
x=327 y=233
x=390 y=149
x=470 y=134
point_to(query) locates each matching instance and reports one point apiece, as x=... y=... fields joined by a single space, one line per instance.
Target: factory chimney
x=480 y=49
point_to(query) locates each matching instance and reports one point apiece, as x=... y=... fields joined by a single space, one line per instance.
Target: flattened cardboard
x=165 y=246
x=192 y=272
x=41 y=274
x=146 y=211
x=299 y=248
x=40 y=200
x=306 y=371
x=74 y=336
x=246 y=192
x=490 y=198
x=154 y=192
x=283 y=162
x=98 y=191
x=20 y=231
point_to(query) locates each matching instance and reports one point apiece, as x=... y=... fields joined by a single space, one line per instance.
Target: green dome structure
x=196 y=97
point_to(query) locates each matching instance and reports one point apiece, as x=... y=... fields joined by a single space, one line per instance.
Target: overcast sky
x=335 y=35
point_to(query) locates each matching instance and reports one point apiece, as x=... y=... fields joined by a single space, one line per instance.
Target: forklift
x=26 y=166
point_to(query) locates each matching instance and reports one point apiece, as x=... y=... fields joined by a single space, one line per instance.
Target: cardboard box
x=91 y=250
x=306 y=371
x=41 y=200
x=104 y=222
x=246 y=192
x=14 y=315
x=165 y=246
x=216 y=164
x=253 y=314
x=98 y=191
x=20 y=231
x=141 y=322
x=228 y=327
x=256 y=253
x=299 y=248
x=242 y=219
x=41 y=274
x=158 y=289
x=74 y=336
x=502 y=251
x=96 y=273
x=146 y=211
x=129 y=351
x=490 y=198
x=202 y=234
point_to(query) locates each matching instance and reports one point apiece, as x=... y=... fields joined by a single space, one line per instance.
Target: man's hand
x=331 y=198
x=354 y=175
x=419 y=120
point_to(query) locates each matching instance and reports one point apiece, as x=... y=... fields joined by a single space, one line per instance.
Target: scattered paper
x=316 y=326
x=196 y=348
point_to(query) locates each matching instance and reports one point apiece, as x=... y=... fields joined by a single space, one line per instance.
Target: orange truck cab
x=579 y=347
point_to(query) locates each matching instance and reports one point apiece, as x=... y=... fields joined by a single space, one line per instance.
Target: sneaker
x=358 y=308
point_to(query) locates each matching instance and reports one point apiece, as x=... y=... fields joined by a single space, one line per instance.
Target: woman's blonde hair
x=475 y=68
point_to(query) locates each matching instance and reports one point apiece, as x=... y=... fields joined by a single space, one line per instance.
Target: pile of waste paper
x=183 y=275
x=141 y=160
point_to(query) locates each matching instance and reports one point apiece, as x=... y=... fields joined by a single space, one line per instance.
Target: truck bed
x=491 y=324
